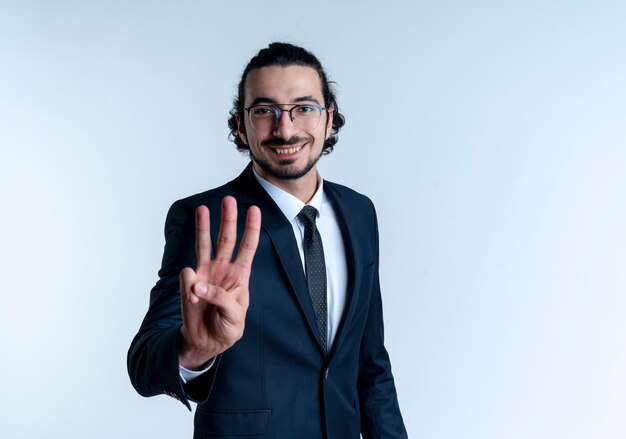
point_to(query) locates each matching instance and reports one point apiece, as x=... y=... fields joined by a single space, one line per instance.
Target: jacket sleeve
x=153 y=355
x=380 y=412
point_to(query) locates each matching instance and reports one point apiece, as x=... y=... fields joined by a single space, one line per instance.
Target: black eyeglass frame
x=279 y=111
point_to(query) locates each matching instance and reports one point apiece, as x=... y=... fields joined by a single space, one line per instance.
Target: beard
x=283 y=171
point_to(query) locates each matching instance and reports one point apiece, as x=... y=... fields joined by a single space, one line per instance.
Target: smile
x=291 y=150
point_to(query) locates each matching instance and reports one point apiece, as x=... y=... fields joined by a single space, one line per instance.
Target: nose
x=285 y=128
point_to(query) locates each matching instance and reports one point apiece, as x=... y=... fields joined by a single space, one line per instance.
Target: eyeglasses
x=265 y=117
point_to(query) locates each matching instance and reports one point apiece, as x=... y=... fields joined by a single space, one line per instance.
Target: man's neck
x=302 y=188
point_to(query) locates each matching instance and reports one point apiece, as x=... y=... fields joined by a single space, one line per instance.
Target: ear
x=329 y=122
x=241 y=128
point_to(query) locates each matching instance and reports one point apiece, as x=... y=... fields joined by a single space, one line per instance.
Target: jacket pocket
x=228 y=423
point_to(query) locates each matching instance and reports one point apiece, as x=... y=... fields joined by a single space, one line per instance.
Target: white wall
x=490 y=134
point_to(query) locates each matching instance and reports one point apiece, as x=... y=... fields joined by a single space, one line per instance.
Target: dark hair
x=285 y=54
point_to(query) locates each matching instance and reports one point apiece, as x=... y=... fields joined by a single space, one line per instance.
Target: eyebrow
x=266 y=100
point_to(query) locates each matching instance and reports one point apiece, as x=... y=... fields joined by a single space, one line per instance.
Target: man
x=283 y=339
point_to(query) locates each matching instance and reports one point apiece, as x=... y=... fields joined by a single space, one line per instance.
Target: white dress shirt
x=334 y=252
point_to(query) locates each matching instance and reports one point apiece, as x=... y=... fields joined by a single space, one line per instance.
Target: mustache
x=277 y=141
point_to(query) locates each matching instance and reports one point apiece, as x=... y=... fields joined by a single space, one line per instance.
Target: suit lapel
x=354 y=259
x=280 y=232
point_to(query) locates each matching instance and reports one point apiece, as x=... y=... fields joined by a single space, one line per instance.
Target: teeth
x=288 y=150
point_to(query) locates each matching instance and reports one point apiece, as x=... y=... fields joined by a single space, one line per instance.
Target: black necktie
x=315 y=269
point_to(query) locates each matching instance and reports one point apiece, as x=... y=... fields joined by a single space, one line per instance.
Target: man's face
x=284 y=152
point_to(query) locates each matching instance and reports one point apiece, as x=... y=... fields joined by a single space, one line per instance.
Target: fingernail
x=200 y=289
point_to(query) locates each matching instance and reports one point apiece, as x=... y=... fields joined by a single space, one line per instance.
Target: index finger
x=203 y=236
x=250 y=238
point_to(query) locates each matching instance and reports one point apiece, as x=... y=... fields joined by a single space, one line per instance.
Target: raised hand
x=215 y=296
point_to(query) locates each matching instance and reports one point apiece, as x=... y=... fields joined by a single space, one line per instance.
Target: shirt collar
x=289 y=205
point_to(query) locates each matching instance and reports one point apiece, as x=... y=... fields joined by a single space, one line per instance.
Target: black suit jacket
x=276 y=382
